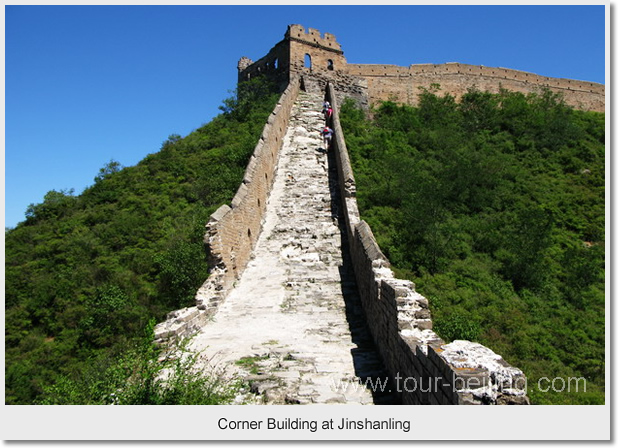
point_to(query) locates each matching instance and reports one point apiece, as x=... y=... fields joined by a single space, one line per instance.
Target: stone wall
x=274 y=65
x=310 y=51
x=372 y=83
x=424 y=369
x=401 y=84
x=232 y=231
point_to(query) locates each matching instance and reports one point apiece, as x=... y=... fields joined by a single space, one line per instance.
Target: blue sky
x=85 y=85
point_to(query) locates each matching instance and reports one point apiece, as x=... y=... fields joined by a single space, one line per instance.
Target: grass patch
x=251 y=363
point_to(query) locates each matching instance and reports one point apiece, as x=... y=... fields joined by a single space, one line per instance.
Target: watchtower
x=303 y=52
x=318 y=59
x=312 y=53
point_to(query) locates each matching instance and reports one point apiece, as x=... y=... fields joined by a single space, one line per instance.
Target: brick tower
x=302 y=52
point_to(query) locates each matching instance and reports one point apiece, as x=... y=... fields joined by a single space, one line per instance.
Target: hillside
x=494 y=207
x=86 y=273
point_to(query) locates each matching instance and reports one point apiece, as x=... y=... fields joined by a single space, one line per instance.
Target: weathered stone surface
x=513 y=399
x=372 y=83
x=292 y=312
x=401 y=324
x=290 y=300
x=484 y=373
x=231 y=232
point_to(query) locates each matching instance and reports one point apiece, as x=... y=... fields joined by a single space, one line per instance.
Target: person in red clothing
x=329 y=113
x=327 y=134
x=327 y=110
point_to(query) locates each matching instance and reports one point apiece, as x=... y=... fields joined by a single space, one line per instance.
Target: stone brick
x=372 y=83
x=424 y=324
x=466 y=399
x=513 y=400
x=467 y=379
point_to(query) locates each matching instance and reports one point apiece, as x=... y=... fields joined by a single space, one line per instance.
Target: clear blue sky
x=89 y=84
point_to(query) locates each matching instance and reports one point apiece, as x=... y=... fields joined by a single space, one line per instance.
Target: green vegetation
x=86 y=273
x=494 y=206
x=251 y=363
x=141 y=377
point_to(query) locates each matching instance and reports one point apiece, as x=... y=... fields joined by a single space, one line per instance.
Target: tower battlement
x=313 y=37
x=318 y=58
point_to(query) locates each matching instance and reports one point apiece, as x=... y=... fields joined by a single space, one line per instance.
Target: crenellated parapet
x=318 y=58
x=313 y=38
x=403 y=84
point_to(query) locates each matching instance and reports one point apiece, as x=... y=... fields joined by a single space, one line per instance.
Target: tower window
x=307 y=60
x=330 y=65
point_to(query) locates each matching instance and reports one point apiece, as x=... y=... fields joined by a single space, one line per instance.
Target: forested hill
x=86 y=273
x=494 y=206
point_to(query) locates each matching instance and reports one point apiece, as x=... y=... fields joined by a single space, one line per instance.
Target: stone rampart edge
x=424 y=368
x=232 y=231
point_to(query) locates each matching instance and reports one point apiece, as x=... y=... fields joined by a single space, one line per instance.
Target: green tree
x=494 y=207
x=85 y=273
x=55 y=204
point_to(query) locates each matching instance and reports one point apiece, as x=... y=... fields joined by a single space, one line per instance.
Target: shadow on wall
x=233 y=229
x=368 y=364
x=427 y=370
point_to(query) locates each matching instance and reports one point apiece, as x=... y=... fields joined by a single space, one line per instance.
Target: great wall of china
x=319 y=59
x=298 y=284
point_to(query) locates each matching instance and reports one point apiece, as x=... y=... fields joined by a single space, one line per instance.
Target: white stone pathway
x=293 y=325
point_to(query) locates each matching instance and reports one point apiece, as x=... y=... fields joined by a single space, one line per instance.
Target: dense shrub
x=139 y=376
x=494 y=206
x=85 y=273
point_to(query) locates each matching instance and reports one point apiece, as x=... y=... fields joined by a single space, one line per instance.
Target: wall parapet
x=423 y=367
x=457 y=68
x=232 y=230
x=387 y=82
x=320 y=58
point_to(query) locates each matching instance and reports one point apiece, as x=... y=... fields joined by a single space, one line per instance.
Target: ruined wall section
x=232 y=231
x=401 y=84
x=385 y=82
x=274 y=65
x=318 y=59
x=423 y=369
x=302 y=52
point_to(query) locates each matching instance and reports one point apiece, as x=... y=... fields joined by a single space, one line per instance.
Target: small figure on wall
x=327 y=134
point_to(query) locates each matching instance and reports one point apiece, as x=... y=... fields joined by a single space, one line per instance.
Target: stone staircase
x=293 y=326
